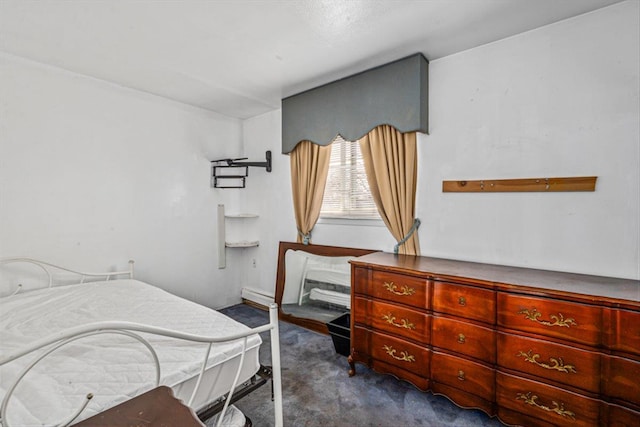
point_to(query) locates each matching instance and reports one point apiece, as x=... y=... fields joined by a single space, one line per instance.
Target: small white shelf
x=244 y=244
x=223 y=243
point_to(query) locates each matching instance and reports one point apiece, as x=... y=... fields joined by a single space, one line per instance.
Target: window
x=347 y=194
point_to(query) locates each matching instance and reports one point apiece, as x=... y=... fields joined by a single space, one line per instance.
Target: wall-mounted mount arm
x=232 y=173
x=239 y=162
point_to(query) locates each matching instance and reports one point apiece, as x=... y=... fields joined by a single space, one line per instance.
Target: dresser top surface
x=446 y=269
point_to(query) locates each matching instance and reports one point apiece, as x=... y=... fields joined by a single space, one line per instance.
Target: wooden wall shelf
x=579 y=183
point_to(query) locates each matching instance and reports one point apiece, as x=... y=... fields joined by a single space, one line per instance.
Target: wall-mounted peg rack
x=580 y=183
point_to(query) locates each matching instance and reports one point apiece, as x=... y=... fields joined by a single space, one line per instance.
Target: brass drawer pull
x=461 y=375
x=404 y=356
x=404 y=291
x=462 y=301
x=555 y=364
x=404 y=323
x=558 y=408
x=559 y=320
x=461 y=338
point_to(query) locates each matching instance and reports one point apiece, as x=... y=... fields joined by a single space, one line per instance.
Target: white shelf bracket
x=222 y=256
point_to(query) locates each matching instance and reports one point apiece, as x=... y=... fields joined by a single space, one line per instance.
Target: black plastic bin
x=340 y=331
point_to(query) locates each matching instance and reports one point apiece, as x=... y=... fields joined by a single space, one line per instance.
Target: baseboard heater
x=257 y=297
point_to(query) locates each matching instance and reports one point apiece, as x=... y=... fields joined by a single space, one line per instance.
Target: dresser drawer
x=575 y=322
x=396 y=320
x=621 y=379
x=513 y=418
x=465 y=338
x=463 y=374
x=545 y=402
x=465 y=301
x=400 y=288
x=561 y=363
x=400 y=353
x=619 y=416
x=626 y=331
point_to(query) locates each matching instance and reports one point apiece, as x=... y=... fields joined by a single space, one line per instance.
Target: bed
x=70 y=350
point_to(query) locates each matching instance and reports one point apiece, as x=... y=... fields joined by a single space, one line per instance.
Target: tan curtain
x=390 y=160
x=309 y=169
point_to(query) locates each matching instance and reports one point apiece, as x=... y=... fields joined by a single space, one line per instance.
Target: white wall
x=269 y=195
x=562 y=100
x=93 y=174
x=559 y=101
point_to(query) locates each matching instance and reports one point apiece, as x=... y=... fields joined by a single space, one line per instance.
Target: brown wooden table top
x=155 y=408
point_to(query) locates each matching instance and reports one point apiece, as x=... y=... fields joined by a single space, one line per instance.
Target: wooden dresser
x=533 y=347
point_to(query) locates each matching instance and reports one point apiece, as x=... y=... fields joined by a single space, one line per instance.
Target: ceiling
x=240 y=58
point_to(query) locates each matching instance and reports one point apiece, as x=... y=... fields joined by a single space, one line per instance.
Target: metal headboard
x=47 y=268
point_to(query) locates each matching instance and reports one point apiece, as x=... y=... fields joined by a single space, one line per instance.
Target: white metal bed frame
x=130 y=329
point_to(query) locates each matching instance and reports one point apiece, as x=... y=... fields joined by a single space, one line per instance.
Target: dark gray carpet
x=318 y=392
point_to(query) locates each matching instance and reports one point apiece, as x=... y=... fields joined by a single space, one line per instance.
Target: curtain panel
x=309 y=169
x=390 y=160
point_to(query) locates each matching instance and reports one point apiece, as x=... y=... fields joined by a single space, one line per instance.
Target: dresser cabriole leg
x=352 y=366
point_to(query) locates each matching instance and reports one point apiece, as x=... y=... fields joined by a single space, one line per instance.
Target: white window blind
x=347 y=194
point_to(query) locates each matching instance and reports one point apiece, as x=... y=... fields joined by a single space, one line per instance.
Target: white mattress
x=112 y=367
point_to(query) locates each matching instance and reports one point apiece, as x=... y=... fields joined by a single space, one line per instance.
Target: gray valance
x=394 y=94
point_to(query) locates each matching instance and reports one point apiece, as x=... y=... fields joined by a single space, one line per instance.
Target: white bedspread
x=112 y=367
